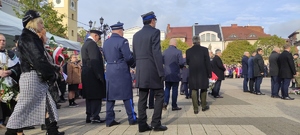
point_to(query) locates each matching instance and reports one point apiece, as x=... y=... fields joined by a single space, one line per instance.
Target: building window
x=252 y=35
x=207 y=37
x=232 y=36
x=213 y=37
x=72 y=16
x=202 y=37
x=72 y=33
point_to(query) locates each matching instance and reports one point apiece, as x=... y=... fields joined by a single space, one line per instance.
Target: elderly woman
x=38 y=73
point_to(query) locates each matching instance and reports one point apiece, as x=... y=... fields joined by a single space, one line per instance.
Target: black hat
x=148 y=16
x=30 y=15
x=16 y=38
x=117 y=26
x=98 y=32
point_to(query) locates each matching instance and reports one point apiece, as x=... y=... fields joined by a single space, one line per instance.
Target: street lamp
x=104 y=28
x=90 y=24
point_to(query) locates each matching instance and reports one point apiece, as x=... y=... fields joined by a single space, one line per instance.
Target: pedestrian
x=38 y=73
x=185 y=79
x=173 y=62
x=294 y=81
x=275 y=85
x=73 y=79
x=297 y=66
x=251 y=73
x=119 y=60
x=92 y=77
x=286 y=71
x=149 y=72
x=219 y=69
x=258 y=70
x=245 y=71
x=197 y=58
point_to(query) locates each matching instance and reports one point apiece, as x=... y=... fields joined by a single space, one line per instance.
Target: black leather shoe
x=97 y=121
x=275 y=97
x=113 y=123
x=88 y=121
x=58 y=133
x=160 y=128
x=288 y=98
x=196 y=112
x=165 y=106
x=144 y=129
x=218 y=97
x=133 y=123
x=205 y=108
x=176 y=109
x=259 y=93
x=28 y=128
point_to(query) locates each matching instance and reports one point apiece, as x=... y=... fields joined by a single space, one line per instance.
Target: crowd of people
x=156 y=74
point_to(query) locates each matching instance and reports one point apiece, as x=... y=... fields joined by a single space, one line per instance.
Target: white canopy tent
x=11 y=25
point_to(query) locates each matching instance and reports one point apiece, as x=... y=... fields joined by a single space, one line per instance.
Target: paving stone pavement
x=237 y=113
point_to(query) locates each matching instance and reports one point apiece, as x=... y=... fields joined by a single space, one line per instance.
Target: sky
x=280 y=17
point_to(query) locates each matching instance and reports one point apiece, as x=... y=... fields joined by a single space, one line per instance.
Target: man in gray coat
x=274 y=69
x=149 y=72
x=173 y=61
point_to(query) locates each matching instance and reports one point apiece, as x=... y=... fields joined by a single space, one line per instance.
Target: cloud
x=289 y=7
x=284 y=29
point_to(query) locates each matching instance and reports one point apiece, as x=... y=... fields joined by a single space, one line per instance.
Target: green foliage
x=82 y=34
x=235 y=50
x=268 y=44
x=180 y=45
x=294 y=50
x=52 y=20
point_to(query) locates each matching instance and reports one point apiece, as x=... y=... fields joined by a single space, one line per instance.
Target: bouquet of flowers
x=296 y=92
x=8 y=90
x=212 y=81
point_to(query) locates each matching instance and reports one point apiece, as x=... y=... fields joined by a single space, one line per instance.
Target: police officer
x=118 y=78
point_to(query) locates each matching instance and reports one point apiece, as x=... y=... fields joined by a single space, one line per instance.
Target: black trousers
x=151 y=98
x=93 y=108
x=142 y=105
x=251 y=84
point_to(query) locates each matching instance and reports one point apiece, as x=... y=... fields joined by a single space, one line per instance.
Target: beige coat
x=74 y=73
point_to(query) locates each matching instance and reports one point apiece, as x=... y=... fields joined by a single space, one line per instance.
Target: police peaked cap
x=148 y=16
x=98 y=32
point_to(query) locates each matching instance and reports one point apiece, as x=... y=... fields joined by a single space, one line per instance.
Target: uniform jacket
x=258 y=65
x=273 y=63
x=119 y=59
x=148 y=57
x=173 y=61
x=92 y=74
x=197 y=58
x=74 y=73
x=250 y=67
x=218 y=67
x=286 y=65
x=245 y=65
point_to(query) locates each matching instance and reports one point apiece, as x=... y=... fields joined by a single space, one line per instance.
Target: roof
x=215 y=28
x=180 y=32
x=235 y=32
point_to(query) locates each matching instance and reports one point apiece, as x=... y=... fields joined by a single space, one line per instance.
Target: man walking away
x=173 y=61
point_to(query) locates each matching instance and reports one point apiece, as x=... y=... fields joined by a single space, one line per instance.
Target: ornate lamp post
x=104 y=28
x=90 y=24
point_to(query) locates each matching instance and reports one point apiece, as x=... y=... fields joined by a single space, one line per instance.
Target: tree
x=235 y=50
x=180 y=45
x=52 y=20
x=268 y=44
x=82 y=34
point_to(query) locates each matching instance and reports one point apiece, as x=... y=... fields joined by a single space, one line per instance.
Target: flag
x=58 y=56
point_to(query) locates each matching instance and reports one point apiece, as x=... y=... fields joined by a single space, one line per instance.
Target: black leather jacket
x=32 y=56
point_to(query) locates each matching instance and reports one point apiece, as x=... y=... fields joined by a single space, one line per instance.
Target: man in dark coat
x=184 y=79
x=245 y=71
x=286 y=71
x=197 y=58
x=92 y=77
x=219 y=69
x=119 y=59
x=173 y=61
x=149 y=72
x=258 y=70
x=250 y=72
x=275 y=85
